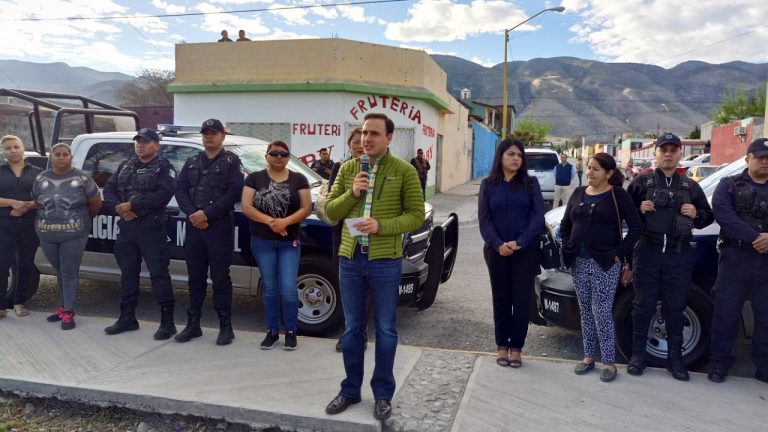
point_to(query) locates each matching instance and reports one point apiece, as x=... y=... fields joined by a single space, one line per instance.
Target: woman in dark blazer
x=511 y=216
x=594 y=251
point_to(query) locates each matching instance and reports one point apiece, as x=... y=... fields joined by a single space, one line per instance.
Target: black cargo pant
x=17 y=239
x=661 y=275
x=740 y=273
x=211 y=247
x=144 y=238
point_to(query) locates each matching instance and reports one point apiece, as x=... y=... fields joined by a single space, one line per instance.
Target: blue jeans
x=279 y=267
x=65 y=252
x=359 y=278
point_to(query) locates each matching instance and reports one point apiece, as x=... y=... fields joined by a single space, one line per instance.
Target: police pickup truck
x=557 y=304
x=429 y=252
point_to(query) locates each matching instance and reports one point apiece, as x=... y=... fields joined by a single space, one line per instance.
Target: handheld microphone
x=365 y=162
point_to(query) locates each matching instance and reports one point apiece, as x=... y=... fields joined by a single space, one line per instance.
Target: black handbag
x=549 y=252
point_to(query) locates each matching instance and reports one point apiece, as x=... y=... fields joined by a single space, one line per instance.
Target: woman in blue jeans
x=276 y=200
x=67 y=200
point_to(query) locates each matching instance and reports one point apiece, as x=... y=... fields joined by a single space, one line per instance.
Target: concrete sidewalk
x=241 y=383
x=461 y=200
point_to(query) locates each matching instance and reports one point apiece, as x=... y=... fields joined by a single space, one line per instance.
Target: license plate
x=551 y=306
x=407 y=288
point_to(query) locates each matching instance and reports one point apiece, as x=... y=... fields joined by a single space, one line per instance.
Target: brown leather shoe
x=339 y=404
x=382 y=409
x=20 y=310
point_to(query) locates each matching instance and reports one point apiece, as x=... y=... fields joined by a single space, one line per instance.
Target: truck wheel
x=320 y=311
x=434 y=259
x=696 y=331
x=13 y=280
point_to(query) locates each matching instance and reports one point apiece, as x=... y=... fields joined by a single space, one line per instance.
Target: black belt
x=363 y=249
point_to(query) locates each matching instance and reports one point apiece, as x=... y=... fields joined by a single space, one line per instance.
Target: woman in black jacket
x=594 y=251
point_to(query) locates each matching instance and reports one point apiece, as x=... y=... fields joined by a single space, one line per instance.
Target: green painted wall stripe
x=311 y=87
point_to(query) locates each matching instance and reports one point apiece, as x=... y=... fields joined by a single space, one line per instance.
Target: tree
x=529 y=130
x=150 y=88
x=738 y=103
x=695 y=133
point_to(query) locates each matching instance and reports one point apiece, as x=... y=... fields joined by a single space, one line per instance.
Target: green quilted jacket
x=398 y=206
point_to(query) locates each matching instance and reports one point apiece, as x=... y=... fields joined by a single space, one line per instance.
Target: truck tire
x=320 y=311
x=434 y=259
x=696 y=333
x=13 y=280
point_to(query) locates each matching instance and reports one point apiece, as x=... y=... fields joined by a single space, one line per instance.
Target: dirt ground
x=21 y=414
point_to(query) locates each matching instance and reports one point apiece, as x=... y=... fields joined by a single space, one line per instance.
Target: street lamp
x=506 y=66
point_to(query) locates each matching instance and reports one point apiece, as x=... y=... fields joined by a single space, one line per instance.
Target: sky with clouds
x=660 y=32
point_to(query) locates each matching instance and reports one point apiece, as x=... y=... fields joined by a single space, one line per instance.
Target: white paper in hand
x=352 y=230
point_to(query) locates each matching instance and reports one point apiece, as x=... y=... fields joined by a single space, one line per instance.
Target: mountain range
x=604 y=100
x=576 y=96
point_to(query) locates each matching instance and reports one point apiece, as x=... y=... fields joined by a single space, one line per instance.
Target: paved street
x=460 y=318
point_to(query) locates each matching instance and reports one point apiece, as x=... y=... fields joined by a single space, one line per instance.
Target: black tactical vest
x=667 y=201
x=136 y=178
x=206 y=185
x=751 y=204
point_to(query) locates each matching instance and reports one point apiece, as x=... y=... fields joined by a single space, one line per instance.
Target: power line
x=756 y=29
x=187 y=14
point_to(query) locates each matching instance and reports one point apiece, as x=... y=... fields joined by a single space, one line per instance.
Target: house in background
x=730 y=141
x=311 y=93
x=485 y=119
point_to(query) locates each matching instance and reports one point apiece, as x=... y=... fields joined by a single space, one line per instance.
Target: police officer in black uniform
x=138 y=192
x=209 y=185
x=741 y=208
x=671 y=206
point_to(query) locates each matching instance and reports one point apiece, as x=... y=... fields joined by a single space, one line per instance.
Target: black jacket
x=600 y=233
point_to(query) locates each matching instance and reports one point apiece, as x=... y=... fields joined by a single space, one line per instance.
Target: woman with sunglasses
x=276 y=200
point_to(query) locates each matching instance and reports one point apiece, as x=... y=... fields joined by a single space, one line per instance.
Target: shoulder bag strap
x=618 y=218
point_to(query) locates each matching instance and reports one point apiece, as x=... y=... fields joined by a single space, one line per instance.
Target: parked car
x=698 y=173
x=429 y=252
x=541 y=164
x=557 y=304
x=702 y=159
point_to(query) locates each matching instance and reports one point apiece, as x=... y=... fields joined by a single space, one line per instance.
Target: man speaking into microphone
x=379 y=197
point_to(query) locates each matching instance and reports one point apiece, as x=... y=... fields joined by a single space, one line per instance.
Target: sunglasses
x=279 y=154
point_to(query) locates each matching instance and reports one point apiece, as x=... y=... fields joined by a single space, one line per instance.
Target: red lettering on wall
x=428 y=153
x=361 y=105
x=417 y=117
x=400 y=106
x=427 y=131
x=324 y=129
x=395 y=105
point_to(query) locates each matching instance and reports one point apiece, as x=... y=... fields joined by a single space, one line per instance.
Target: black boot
x=636 y=364
x=126 y=322
x=192 y=330
x=675 y=358
x=167 y=327
x=226 y=334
